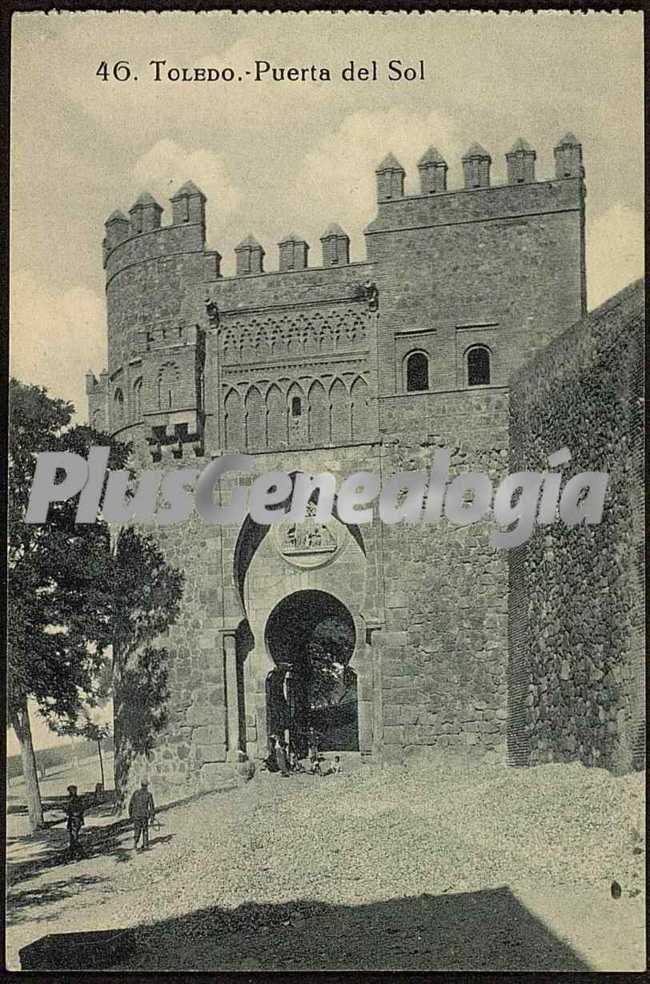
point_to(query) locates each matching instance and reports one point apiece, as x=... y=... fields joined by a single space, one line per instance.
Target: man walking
x=142 y=812
x=74 y=810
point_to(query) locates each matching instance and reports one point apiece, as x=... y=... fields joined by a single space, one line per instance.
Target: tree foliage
x=76 y=593
x=60 y=573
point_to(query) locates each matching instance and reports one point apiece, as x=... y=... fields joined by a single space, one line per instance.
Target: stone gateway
x=384 y=639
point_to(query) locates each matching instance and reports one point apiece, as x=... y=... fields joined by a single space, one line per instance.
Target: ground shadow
x=193 y=797
x=96 y=841
x=53 y=802
x=108 y=839
x=25 y=903
x=484 y=930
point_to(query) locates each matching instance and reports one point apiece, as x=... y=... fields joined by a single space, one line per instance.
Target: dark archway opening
x=311 y=637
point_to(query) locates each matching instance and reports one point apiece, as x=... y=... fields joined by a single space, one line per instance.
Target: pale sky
x=44 y=738
x=274 y=157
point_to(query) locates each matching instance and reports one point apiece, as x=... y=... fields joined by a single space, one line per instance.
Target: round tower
x=150 y=388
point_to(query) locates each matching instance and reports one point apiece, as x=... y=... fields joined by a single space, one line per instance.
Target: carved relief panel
x=296 y=378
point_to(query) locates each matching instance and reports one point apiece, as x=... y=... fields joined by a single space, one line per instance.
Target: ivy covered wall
x=576 y=610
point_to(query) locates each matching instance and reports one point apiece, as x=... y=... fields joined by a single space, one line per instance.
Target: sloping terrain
x=417 y=867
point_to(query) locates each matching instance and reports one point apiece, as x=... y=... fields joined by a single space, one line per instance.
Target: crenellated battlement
x=306 y=352
x=143 y=236
x=476 y=163
x=478 y=200
x=166 y=337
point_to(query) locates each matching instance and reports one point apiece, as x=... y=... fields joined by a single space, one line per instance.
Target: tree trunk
x=20 y=723
x=121 y=761
x=101 y=761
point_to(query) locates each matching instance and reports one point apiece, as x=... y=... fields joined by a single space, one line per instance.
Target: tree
x=146 y=601
x=97 y=733
x=72 y=593
x=85 y=727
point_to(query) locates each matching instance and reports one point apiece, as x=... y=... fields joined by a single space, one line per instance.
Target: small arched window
x=167 y=379
x=296 y=406
x=417 y=372
x=118 y=407
x=137 y=398
x=478 y=366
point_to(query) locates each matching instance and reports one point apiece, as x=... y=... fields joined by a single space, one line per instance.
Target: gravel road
x=418 y=867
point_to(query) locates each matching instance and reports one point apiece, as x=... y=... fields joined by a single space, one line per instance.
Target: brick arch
x=119 y=410
x=290 y=627
x=229 y=342
x=318 y=409
x=482 y=356
x=255 y=418
x=293 y=336
x=136 y=391
x=276 y=417
x=324 y=334
x=360 y=408
x=233 y=420
x=247 y=345
x=339 y=399
x=167 y=385
x=262 y=579
x=273 y=335
x=297 y=421
x=416 y=369
x=263 y=342
x=250 y=537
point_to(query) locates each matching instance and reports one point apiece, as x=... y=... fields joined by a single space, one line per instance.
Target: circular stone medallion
x=309 y=543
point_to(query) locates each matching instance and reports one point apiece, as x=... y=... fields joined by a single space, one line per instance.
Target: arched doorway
x=311 y=638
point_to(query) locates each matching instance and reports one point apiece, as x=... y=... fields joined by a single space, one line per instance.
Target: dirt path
x=371 y=870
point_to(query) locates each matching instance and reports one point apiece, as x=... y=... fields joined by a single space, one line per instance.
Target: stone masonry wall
x=502 y=267
x=192 y=751
x=576 y=665
x=444 y=652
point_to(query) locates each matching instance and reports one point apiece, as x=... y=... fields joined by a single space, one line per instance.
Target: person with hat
x=74 y=810
x=141 y=811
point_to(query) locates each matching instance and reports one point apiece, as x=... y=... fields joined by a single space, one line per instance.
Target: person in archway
x=295 y=765
x=281 y=757
x=269 y=762
x=313 y=750
x=289 y=699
